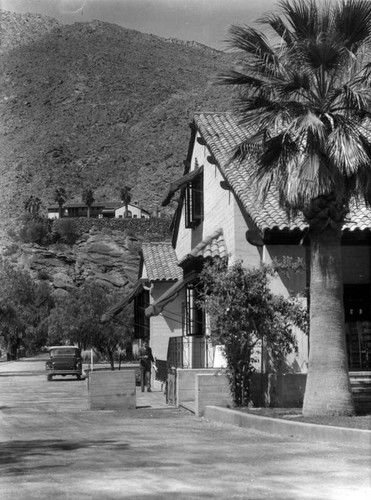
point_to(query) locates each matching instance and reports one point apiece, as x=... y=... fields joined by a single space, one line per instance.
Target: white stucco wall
x=167 y=324
x=220 y=211
x=136 y=212
x=293 y=284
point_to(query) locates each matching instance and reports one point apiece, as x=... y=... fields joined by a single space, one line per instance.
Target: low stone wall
x=211 y=389
x=153 y=229
x=112 y=390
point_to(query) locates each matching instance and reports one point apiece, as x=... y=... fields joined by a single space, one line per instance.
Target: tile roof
x=222 y=134
x=161 y=262
x=212 y=246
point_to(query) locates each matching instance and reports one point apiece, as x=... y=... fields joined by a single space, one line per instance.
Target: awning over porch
x=117 y=308
x=157 y=307
x=179 y=183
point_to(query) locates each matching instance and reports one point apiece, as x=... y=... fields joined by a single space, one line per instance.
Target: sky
x=205 y=21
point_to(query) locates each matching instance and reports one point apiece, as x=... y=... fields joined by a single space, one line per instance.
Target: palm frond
x=278 y=26
x=251 y=42
x=234 y=77
x=302 y=17
x=352 y=21
x=347 y=151
x=307 y=100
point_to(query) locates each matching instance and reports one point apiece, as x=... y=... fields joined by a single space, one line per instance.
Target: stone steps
x=361 y=389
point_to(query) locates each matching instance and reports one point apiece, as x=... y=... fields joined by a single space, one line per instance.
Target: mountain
x=94 y=104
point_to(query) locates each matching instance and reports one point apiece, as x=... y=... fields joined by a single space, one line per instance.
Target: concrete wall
x=112 y=390
x=186 y=383
x=211 y=390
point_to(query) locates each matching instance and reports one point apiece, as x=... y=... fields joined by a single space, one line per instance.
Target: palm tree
x=126 y=198
x=32 y=205
x=60 y=197
x=305 y=96
x=88 y=198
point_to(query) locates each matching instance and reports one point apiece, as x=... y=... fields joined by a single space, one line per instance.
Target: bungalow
x=110 y=209
x=219 y=215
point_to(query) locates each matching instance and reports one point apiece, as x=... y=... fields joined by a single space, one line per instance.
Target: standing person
x=146 y=360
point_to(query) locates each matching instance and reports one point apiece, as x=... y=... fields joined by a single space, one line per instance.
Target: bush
x=65 y=231
x=43 y=275
x=35 y=232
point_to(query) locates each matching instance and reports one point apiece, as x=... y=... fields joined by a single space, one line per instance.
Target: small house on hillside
x=110 y=209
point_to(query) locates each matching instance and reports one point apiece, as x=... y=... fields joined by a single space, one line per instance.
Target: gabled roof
x=222 y=135
x=212 y=246
x=161 y=262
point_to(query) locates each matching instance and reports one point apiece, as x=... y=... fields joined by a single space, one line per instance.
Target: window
x=194 y=314
x=141 y=321
x=194 y=202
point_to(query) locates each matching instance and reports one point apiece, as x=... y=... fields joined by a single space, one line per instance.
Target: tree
x=32 y=205
x=126 y=198
x=88 y=198
x=304 y=95
x=24 y=306
x=76 y=318
x=244 y=313
x=60 y=197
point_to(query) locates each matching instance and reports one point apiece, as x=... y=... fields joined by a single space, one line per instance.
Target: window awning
x=117 y=308
x=178 y=184
x=157 y=307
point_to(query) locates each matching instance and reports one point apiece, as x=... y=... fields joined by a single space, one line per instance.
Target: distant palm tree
x=88 y=198
x=32 y=205
x=305 y=95
x=60 y=197
x=126 y=198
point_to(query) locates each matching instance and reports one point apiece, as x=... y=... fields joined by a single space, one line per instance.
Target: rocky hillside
x=23 y=29
x=109 y=258
x=99 y=105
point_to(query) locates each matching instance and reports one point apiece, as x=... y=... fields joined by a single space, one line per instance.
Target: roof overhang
x=171 y=294
x=180 y=183
x=117 y=308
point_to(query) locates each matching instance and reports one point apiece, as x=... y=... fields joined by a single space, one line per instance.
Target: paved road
x=51 y=447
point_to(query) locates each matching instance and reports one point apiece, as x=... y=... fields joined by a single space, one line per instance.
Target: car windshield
x=63 y=352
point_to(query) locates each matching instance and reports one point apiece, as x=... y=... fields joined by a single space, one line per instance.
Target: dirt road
x=52 y=447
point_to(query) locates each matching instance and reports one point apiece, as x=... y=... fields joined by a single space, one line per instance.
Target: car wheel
x=49 y=378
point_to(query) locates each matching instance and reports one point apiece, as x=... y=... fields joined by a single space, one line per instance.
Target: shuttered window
x=141 y=321
x=194 y=202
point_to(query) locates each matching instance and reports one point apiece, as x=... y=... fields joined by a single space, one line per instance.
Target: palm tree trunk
x=328 y=390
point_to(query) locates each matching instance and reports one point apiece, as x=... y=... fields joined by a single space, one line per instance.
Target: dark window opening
x=357 y=308
x=194 y=202
x=195 y=318
x=141 y=321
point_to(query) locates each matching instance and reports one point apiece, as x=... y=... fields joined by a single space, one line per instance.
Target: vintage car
x=64 y=360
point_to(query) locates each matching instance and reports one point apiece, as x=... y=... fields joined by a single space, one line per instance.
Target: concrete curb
x=336 y=435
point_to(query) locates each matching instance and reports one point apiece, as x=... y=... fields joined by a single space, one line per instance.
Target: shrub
x=43 y=275
x=35 y=232
x=65 y=231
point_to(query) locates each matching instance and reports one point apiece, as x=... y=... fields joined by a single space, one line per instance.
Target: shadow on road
x=14 y=453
